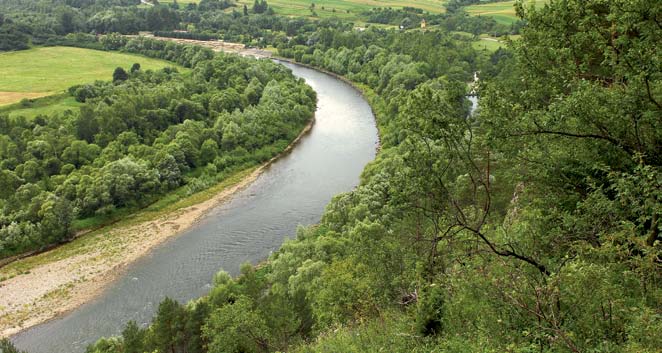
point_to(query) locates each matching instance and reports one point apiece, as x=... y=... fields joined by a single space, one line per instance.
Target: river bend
x=291 y=192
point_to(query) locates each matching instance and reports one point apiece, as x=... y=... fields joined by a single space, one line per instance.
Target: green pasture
x=51 y=70
x=488 y=44
x=346 y=9
x=503 y=12
x=49 y=105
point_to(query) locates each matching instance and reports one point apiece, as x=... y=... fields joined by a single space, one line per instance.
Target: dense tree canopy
x=141 y=136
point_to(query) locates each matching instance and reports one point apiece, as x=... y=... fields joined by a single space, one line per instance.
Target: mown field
x=503 y=12
x=45 y=71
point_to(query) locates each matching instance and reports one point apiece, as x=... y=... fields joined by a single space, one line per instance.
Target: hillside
x=502 y=11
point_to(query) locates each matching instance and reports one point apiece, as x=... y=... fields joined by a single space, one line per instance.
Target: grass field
x=48 y=105
x=503 y=12
x=484 y=41
x=46 y=71
x=489 y=44
x=346 y=9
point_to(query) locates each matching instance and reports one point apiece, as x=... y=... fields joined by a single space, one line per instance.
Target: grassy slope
x=484 y=42
x=44 y=71
x=355 y=7
x=489 y=45
x=50 y=105
x=503 y=12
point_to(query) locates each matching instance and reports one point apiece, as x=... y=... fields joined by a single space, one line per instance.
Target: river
x=291 y=192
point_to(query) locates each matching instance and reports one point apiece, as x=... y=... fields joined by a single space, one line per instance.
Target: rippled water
x=291 y=192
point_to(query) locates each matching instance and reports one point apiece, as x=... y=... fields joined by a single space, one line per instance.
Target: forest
x=529 y=225
x=141 y=135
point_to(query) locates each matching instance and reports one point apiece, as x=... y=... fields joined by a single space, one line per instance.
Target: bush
x=186 y=35
x=429 y=313
x=7 y=347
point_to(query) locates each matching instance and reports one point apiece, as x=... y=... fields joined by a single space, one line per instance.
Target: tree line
x=47 y=21
x=185 y=35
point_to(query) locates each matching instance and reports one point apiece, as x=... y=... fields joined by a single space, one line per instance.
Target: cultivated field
x=502 y=12
x=45 y=71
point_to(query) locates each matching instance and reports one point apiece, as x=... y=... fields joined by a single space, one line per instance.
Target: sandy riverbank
x=215 y=45
x=61 y=280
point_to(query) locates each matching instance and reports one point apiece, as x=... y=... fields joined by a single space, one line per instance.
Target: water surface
x=292 y=192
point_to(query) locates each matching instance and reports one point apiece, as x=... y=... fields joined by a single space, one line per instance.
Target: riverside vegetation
x=531 y=225
x=140 y=136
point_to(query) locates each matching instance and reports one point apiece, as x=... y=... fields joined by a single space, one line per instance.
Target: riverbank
x=40 y=288
x=215 y=45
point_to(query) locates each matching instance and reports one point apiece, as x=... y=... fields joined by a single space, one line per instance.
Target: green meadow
x=488 y=44
x=48 y=105
x=503 y=12
x=346 y=9
x=51 y=70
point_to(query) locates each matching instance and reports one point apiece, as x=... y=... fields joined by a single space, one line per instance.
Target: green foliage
x=185 y=35
x=530 y=225
x=237 y=327
x=7 y=347
x=11 y=36
x=120 y=75
x=390 y=332
x=260 y=6
x=144 y=135
x=167 y=333
x=105 y=345
x=429 y=315
x=132 y=338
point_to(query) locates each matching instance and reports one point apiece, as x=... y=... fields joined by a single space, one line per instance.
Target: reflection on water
x=254 y=223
